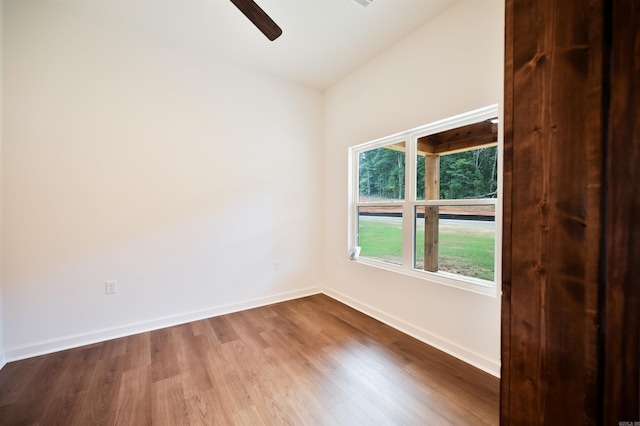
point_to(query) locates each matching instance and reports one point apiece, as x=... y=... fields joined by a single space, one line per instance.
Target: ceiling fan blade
x=259 y=18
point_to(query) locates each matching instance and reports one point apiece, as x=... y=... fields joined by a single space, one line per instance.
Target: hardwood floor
x=310 y=361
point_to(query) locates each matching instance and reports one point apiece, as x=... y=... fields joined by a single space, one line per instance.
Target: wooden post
x=620 y=326
x=431 y=213
x=552 y=212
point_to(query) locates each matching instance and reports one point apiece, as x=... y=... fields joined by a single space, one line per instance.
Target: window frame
x=410 y=202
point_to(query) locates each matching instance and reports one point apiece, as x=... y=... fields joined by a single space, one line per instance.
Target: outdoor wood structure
x=571 y=252
x=472 y=136
x=431 y=213
x=463 y=138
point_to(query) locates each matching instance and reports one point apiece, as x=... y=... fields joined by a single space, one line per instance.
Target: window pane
x=459 y=240
x=380 y=233
x=381 y=173
x=463 y=175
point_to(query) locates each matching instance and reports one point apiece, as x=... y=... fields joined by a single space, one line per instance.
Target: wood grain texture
x=507 y=197
x=431 y=213
x=621 y=343
x=553 y=164
x=462 y=138
x=310 y=361
x=572 y=149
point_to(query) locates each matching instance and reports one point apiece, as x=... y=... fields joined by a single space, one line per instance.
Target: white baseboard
x=69 y=342
x=464 y=354
x=54 y=345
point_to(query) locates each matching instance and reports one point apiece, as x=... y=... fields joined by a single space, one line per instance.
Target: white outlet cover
x=111 y=287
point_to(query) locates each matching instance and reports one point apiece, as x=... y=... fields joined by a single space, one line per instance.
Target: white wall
x=450 y=66
x=127 y=158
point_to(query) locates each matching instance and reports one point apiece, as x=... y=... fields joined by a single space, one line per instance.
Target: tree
x=463 y=175
x=381 y=173
x=469 y=174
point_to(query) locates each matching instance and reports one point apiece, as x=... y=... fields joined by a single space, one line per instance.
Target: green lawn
x=464 y=249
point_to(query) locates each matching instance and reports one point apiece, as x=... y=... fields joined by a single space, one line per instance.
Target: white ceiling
x=322 y=40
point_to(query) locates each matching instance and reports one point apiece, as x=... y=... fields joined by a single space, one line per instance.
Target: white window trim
x=410 y=138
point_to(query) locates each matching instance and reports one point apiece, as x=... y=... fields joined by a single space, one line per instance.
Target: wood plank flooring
x=310 y=361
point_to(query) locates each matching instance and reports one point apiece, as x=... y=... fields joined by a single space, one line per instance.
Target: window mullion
x=408 y=211
x=353 y=199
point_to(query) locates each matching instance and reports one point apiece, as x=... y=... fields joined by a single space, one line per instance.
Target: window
x=426 y=202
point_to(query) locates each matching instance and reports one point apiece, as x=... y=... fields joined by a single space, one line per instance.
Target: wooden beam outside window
x=464 y=138
x=431 y=213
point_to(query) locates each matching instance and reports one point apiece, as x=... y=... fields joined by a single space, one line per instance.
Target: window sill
x=474 y=285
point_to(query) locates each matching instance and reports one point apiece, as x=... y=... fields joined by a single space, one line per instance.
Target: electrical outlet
x=111 y=287
x=276 y=266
